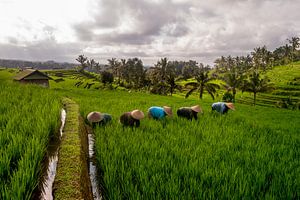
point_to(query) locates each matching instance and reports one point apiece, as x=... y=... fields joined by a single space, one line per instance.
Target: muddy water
x=53 y=158
x=92 y=168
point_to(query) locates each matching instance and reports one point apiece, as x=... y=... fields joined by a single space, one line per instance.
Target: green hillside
x=286 y=93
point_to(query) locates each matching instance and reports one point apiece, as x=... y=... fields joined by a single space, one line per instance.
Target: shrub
x=227 y=97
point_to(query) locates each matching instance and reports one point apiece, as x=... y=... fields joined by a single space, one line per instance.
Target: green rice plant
x=250 y=153
x=29 y=117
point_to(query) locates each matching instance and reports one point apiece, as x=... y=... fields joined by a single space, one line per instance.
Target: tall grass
x=29 y=117
x=250 y=153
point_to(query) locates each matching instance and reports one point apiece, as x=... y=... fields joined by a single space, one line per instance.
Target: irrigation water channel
x=51 y=171
x=92 y=168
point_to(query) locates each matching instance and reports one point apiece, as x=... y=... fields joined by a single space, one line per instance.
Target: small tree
x=233 y=80
x=83 y=62
x=203 y=83
x=295 y=43
x=255 y=84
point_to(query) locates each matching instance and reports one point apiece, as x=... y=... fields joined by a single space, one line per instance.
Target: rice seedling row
x=29 y=117
x=250 y=153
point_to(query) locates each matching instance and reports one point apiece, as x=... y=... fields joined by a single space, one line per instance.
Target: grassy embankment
x=72 y=176
x=29 y=118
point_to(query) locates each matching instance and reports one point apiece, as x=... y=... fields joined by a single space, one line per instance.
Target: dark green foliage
x=227 y=97
x=288 y=104
x=107 y=77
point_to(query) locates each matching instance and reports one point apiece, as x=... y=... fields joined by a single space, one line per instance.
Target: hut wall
x=42 y=82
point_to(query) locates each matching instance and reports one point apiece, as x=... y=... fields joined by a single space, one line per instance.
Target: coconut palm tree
x=295 y=43
x=83 y=62
x=203 y=83
x=255 y=84
x=115 y=66
x=233 y=80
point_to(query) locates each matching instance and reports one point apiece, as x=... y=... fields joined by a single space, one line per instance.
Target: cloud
x=150 y=29
x=40 y=51
x=133 y=22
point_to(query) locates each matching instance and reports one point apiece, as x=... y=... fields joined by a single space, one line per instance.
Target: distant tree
x=279 y=55
x=83 y=62
x=178 y=65
x=287 y=53
x=189 y=69
x=159 y=76
x=171 y=78
x=295 y=43
x=162 y=64
x=233 y=79
x=115 y=66
x=255 y=85
x=136 y=72
x=91 y=63
x=163 y=77
x=220 y=64
x=157 y=86
x=107 y=77
x=97 y=68
x=124 y=71
x=203 y=83
x=261 y=58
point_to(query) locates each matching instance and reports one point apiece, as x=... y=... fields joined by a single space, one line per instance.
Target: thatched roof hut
x=33 y=76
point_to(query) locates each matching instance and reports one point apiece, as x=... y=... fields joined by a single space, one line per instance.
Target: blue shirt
x=157 y=112
x=220 y=107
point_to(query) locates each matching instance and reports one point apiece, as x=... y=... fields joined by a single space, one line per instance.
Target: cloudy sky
x=201 y=30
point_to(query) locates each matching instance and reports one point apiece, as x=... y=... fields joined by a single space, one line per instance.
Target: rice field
x=29 y=116
x=251 y=153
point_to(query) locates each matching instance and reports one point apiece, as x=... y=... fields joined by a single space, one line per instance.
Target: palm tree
x=233 y=80
x=83 y=62
x=203 y=83
x=287 y=53
x=255 y=84
x=115 y=66
x=295 y=43
x=220 y=64
x=163 y=64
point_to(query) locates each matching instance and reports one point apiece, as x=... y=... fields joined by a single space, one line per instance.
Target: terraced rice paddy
x=29 y=117
x=250 y=153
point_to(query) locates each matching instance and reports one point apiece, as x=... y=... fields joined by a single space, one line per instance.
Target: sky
x=201 y=30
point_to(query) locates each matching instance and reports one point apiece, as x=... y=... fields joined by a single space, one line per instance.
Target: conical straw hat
x=137 y=114
x=230 y=106
x=196 y=108
x=94 y=117
x=168 y=110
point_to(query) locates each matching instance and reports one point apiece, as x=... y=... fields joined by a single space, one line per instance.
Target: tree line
x=245 y=73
